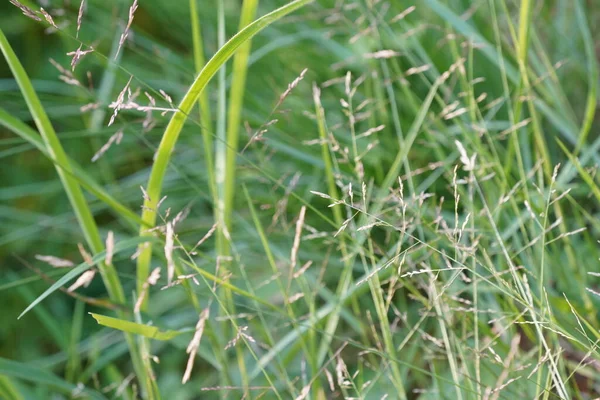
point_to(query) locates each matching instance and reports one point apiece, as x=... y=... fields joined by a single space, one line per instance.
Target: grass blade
x=177 y=121
x=205 y=117
x=590 y=109
x=236 y=99
x=148 y=331
x=81 y=268
x=8 y=390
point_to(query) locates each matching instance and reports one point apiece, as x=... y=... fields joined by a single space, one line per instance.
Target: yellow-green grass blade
x=8 y=390
x=148 y=331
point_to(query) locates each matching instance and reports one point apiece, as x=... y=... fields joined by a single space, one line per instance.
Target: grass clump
x=372 y=200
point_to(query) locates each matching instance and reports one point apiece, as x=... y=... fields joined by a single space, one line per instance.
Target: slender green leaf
x=81 y=268
x=204 y=104
x=148 y=331
x=236 y=100
x=590 y=53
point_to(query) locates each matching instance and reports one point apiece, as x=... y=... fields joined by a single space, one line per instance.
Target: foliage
x=371 y=198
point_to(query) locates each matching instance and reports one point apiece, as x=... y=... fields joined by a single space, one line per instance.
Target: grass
x=371 y=199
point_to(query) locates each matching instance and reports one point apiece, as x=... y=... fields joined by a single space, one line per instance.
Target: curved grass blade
x=42 y=377
x=178 y=119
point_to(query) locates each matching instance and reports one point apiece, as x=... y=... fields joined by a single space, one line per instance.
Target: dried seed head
x=85 y=255
x=154 y=276
x=145 y=194
x=116 y=138
x=382 y=54
x=84 y=280
x=88 y=107
x=468 y=162
x=125 y=33
x=78 y=56
x=296 y=245
x=403 y=14
x=241 y=333
x=117 y=105
x=80 y=16
x=48 y=17
x=110 y=248
x=169 y=253
x=194 y=344
x=55 y=261
x=418 y=70
x=28 y=12
x=291 y=87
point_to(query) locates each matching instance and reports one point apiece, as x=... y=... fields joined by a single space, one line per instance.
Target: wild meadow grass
x=299 y=199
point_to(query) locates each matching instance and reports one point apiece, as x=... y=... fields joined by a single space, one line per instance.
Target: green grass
x=357 y=199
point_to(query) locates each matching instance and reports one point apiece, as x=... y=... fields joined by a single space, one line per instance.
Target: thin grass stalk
x=221 y=145
x=540 y=141
x=74 y=193
x=382 y=315
x=223 y=244
x=338 y=219
x=74 y=361
x=167 y=144
x=592 y=97
x=236 y=99
x=391 y=176
x=537 y=129
x=204 y=104
x=316 y=387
